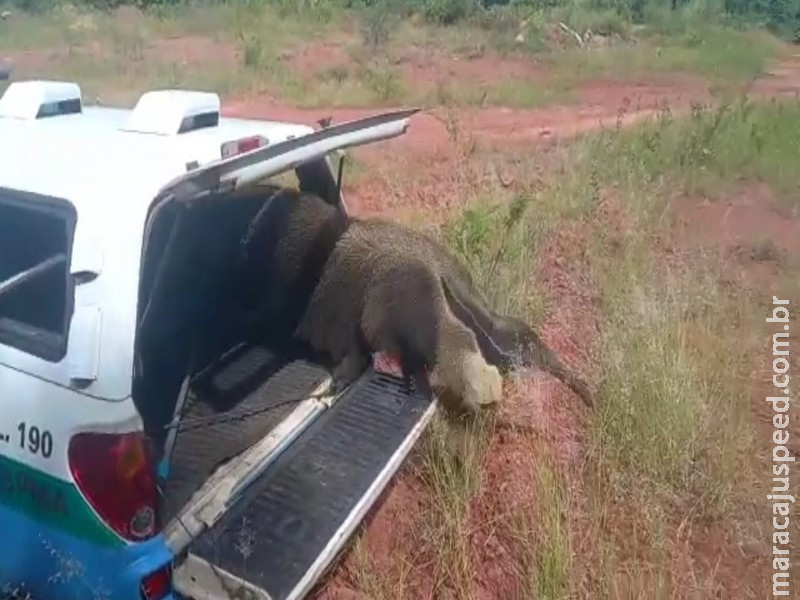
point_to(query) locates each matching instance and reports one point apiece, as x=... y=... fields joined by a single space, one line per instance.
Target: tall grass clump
x=673 y=416
x=677 y=346
x=498 y=244
x=540 y=532
x=450 y=467
x=707 y=152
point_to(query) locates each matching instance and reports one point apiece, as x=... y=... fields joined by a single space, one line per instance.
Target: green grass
x=675 y=387
x=541 y=535
x=378 y=583
x=711 y=151
x=450 y=468
x=672 y=439
x=723 y=55
x=676 y=343
x=354 y=85
x=500 y=247
x=250 y=44
x=510 y=92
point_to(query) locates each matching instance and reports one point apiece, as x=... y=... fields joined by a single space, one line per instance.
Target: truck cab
x=149 y=448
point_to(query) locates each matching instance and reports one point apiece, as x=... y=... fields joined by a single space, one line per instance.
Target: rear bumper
x=52 y=565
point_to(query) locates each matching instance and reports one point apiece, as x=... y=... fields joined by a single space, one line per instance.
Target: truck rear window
x=36 y=293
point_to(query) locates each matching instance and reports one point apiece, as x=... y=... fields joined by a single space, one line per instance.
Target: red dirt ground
x=756 y=237
x=431 y=155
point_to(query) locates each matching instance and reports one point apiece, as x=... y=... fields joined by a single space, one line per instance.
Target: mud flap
x=289 y=525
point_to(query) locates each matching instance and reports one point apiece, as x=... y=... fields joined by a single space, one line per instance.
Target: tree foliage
x=781 y=16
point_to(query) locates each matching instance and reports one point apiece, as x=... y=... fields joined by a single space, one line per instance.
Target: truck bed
x=231 y=405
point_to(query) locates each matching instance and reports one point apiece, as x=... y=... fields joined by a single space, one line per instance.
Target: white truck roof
x=74 y=155
x=52 y=145
x=112 y=165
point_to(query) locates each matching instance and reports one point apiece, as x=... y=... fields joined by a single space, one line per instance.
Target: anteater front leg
x=415 y=375
x=347 y=371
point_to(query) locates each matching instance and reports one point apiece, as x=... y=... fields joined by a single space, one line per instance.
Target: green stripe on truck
x=52 y=502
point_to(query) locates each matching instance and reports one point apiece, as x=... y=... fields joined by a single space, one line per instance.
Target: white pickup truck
x=118 y=334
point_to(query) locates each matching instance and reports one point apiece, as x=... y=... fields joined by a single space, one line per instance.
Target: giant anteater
x=374 y=297
x=352 y=287
x=506 y=342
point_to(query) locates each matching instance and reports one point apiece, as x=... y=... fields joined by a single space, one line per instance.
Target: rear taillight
x=115 y=473
x=157 y=585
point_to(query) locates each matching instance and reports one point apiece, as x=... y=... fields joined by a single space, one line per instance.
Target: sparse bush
x=603 y=17
x=712 y=147
x=252 y=50
x=376 y=26
x=384 y=83
x=499 y=244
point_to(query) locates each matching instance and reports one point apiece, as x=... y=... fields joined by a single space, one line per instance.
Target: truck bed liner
x=246 y=381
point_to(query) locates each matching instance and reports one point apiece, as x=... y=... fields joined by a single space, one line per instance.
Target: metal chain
x=190 y=424
x=197 y=422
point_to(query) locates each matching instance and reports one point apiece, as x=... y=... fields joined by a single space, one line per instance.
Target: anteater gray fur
x=506 y=342
x=384 y=287
x=283 y=255
x=376 y=297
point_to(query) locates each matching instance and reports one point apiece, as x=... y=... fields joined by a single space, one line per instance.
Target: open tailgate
x=278 y=536
x=244 y=169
